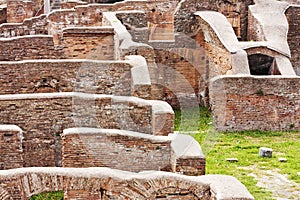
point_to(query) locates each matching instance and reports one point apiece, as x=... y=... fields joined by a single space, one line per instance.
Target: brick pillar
x=10 y=147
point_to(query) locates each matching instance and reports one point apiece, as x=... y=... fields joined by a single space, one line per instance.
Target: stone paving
x=277 y=183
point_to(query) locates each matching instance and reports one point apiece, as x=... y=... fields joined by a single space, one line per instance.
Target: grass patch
x=244 y=146
x=192 y=119
x=57 y=195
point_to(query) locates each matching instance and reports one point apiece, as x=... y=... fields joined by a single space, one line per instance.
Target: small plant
x=260 y=92
x=292 y=125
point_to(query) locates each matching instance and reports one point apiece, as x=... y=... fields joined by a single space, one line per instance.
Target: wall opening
x=261 y=64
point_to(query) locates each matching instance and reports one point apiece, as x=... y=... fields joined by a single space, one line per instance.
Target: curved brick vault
x=105 y=183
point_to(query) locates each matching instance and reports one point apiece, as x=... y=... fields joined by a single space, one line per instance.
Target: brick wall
x=42 y=121
x=17 y=10
x=89 y=43
x=104 y=77
x=77 y=43
x=28 y=48
x=180 y=65
x=255 y=103
x=32 y=26
x=179 y=71
x=190 y=159
x=118 y=149
x=219 y=57
x=191 y=166
x=10 y=147
x=293 y=17
x=137 y=19
x=158 y=13
x=159 y=17
x=42 y=117
x=80 y=17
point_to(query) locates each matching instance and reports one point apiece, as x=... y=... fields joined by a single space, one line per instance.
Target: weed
x=260 y=92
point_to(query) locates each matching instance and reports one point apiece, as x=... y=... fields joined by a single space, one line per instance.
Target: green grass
x=57 y=195
x=244 y=146
x=192 y=119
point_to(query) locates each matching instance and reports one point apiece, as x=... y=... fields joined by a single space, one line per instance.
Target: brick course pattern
x=97 y=43
x=255 y=103
x=191 y=166
x=117 y=149
x=17 y=10
x=29 y=48
x=88 y=43
x=43 y=117
x=32 y=26
x=219 y=58
x=103 y=77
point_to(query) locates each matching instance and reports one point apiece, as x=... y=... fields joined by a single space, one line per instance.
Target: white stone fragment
x=265 y=152
x=282 y=159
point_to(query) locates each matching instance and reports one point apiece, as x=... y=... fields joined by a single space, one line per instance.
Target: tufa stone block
x=265 y=152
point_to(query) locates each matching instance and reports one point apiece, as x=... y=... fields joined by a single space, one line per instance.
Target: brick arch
x=140 y=188
x=266 y=61
x=34 y=184
x=261 y=64
x=262 y=50
x=99 y=183
x=94 y=187
x=166 y=188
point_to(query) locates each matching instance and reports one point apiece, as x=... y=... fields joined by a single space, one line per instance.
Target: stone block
x=265 y=152
x=282 y=159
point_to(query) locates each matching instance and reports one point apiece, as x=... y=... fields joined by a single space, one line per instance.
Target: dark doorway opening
x=261 y=64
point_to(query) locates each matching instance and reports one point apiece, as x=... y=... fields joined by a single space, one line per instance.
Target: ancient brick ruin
x=87 y=90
